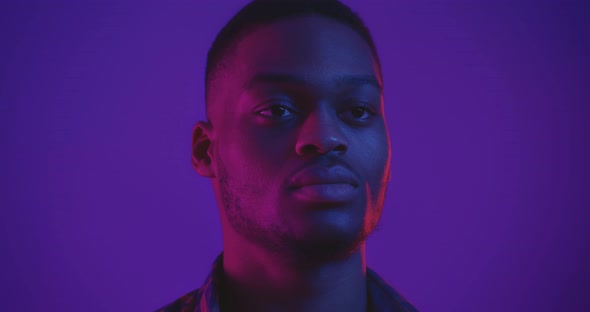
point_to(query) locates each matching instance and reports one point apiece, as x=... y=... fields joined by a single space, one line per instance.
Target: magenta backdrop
x=488 y=107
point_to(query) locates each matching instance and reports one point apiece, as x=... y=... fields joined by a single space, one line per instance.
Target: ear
x=202 y=154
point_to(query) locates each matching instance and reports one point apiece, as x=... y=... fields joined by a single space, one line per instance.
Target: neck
x=257 y=280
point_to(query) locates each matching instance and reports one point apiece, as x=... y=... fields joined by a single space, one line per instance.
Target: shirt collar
x=381 y=296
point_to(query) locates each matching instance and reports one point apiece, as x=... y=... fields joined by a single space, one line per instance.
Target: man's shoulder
x=186 y=303
x=383 y=297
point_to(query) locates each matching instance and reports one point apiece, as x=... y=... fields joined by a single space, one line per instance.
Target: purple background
x=487 y=104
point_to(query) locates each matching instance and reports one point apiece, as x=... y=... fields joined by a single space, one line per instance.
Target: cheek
x=254 y=152
x=375 y=171
x=375 y=156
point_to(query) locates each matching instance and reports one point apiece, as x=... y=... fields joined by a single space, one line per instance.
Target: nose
x=321 y=134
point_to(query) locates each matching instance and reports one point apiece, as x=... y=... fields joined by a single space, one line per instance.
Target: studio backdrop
x=487 y=104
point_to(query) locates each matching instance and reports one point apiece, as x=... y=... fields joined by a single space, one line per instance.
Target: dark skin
x=297 y=150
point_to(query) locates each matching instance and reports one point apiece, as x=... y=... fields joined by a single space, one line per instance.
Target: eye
x=360 y=113
x=276 y=111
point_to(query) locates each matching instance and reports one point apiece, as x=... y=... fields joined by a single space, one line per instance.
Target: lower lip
x=329 y=193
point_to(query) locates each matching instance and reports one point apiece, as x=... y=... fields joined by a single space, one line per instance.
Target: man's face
x=299 y=141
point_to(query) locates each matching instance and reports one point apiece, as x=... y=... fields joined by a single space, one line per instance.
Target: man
x=297 y=149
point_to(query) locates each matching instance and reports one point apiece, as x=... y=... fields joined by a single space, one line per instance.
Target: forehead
x=313 y=48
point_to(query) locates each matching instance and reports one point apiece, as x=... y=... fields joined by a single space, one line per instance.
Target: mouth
x=326 y=193
x=324 y=185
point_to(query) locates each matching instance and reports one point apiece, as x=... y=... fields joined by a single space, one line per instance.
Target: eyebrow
x=279 y=78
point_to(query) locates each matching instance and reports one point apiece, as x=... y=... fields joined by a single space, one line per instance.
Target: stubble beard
x=276 y=237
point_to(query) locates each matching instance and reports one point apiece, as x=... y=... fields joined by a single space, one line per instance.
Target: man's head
x=295 y=142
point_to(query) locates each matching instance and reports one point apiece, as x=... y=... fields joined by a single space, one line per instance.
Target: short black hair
x=261 y=12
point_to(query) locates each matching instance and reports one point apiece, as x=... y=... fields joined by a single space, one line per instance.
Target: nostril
x=341 y=148
x=308 y=149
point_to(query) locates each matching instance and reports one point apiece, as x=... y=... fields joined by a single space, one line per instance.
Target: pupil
x=278 y=111
x=358 y=112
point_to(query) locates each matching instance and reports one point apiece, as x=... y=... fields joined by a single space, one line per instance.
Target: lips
x=321 y=184
x=318 y=175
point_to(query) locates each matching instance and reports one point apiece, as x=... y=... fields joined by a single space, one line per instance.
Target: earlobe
x=202 y=156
